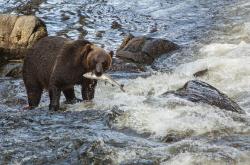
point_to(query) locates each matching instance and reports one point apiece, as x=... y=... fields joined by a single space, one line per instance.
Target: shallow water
x=139 y=127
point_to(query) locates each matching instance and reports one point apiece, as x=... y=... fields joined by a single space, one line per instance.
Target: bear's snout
x=98 y=69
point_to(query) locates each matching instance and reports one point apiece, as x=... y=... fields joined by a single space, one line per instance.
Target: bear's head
x=97 y=60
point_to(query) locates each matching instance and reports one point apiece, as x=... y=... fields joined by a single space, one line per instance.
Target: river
x=138 y=126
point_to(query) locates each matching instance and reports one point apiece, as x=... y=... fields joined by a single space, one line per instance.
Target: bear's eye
x=94 y=63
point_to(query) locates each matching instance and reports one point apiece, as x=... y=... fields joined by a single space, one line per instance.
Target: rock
x=99 y=34
x=143 y=50
x=125 y=41
x=140 y=162
x=64 y=17
x=28 y=8
x=11 y=70
x=17 y=33
x=200 y=73
x=123 y=66
x=116 y=25
x=199 y=91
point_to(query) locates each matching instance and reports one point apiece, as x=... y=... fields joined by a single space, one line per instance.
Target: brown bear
x=57 y=64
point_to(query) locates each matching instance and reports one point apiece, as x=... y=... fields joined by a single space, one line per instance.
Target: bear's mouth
x=98 y=70
x=98 y=74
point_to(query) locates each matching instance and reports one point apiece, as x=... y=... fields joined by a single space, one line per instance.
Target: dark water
x=138 y=127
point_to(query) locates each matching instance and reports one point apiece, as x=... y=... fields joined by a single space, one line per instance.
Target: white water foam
x=197 y=158
x=228 y=70
x=145 y=112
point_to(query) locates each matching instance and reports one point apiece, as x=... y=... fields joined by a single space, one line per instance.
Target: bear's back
x=40 y=59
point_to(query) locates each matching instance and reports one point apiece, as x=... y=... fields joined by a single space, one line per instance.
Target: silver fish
x=104 y=77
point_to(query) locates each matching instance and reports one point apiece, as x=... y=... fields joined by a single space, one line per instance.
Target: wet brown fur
x=57 y=64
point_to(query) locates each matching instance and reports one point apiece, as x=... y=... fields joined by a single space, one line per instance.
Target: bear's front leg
x=54 y=94
x=88 y=89
x=70 y=96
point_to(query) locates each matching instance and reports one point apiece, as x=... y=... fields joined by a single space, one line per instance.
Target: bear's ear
x=83 y=54
x=111 y=53
x=86 y=49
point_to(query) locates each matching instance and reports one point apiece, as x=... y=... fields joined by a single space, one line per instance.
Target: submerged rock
x=99 y=34
x=144 y=50
x=17 y=33
x=121 y=65
x=199 y=91
x=200 y=73
x=116 y=25
x=11 y=70
x=141 y=162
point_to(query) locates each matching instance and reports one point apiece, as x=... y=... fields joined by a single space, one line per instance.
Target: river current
x=138 y=126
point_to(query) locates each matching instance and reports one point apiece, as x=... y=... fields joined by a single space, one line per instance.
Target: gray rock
x=116 y=25
x=199 y=91
x=141 y=162
x=11 y=70
x=201 y=73
x=143 y=50
x=123 y=66
x=99 y=34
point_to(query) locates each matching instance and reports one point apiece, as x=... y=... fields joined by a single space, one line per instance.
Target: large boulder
x=199 y=91
x=143 y=50
x=17 y=33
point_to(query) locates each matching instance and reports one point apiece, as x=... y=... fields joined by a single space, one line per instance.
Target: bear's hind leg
x=54 y=94
x=70 y=96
